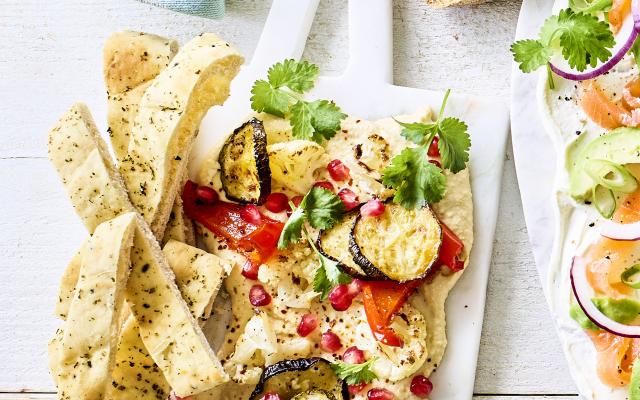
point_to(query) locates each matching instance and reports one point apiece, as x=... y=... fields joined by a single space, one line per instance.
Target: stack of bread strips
x=161 y=344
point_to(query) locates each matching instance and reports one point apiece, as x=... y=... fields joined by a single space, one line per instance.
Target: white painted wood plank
x=54 y=59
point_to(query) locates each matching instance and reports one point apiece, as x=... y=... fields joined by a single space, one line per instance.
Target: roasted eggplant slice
x=400 y=244
x=244 y=164
x=314 y=395
x=334 y=244
x=307 y=376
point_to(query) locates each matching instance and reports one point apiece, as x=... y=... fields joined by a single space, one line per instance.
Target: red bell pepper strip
x=450 y=250
x=257 y=242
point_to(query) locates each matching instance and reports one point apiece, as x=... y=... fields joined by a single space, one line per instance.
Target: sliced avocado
x=620 y=146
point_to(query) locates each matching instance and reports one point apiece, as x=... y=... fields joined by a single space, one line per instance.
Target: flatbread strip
x=82 y=161
x=94 y=185
x=199 y=276
x=169 y=332
x=87 y=346
x=131 y=60
x=169 y=115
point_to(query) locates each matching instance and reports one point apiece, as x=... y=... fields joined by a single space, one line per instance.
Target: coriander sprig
x=355 y=374
x=581 y=37
x=416 y=180
x=281 y=95
x=321 y=209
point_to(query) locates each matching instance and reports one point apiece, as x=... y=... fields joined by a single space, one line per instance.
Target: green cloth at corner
x=201 y=8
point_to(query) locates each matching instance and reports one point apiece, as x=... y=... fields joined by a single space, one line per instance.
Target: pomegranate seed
x=277 y=202
x=355 y=287
x=354 y=389
x=297 y=200
x=421 y=386
x=206 y=195
x=330 y=342
x=339 y=298
x=338 y=171
x=433 y=148
x=436 y=163
x=325 y=185
x=353 y=355
x=251 y=214
x=250 y=270
x=349 y=199
x=308 y=324
x=379 y=394
x=372 y=208
x=271 y=396
x=258 y=296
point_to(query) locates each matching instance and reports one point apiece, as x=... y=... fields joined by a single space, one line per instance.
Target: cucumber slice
x=620 y=146
x=334 y=244
x=400 y=244
x=244 y=164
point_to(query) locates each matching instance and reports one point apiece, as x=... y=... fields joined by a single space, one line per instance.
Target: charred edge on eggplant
x=336 y=388
x=249 y=183
x=379 y=272
x=342 y=256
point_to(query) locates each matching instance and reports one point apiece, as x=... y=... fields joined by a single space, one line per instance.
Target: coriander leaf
x=326 y=118
x=317 y=120
x=590 y=6
x=355 y=374
x=415 y=131
x=454 y=144
x=414 y=178
x=530 y=54
x=548 y=32
x=322 y=208
x=328 y=276
x=300 y=118
x=585 y=39
x=297 y=76
x=292 y=230
x=269 y=99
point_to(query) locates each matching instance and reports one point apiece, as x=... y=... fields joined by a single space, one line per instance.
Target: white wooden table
x=50 y=56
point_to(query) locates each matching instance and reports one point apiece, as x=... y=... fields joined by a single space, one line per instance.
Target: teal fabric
x=201 y=8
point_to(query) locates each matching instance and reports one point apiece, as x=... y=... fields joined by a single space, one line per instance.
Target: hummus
x=255 y=338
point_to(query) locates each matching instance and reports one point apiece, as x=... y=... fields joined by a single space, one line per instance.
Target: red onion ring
x=583 y=293
x=624 y=232
x=613 y=61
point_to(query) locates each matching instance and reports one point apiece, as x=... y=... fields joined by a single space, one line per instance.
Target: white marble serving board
x=365 y=89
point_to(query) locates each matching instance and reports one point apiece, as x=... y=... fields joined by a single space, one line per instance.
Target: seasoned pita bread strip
x=94 y=186
x=170 y=334
x=88 y=344
x=68 y=282
x=131 y=60
x=82 y=161
x=168 y=118
x=179 y=226
x=198 y=276
x=136 y=375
